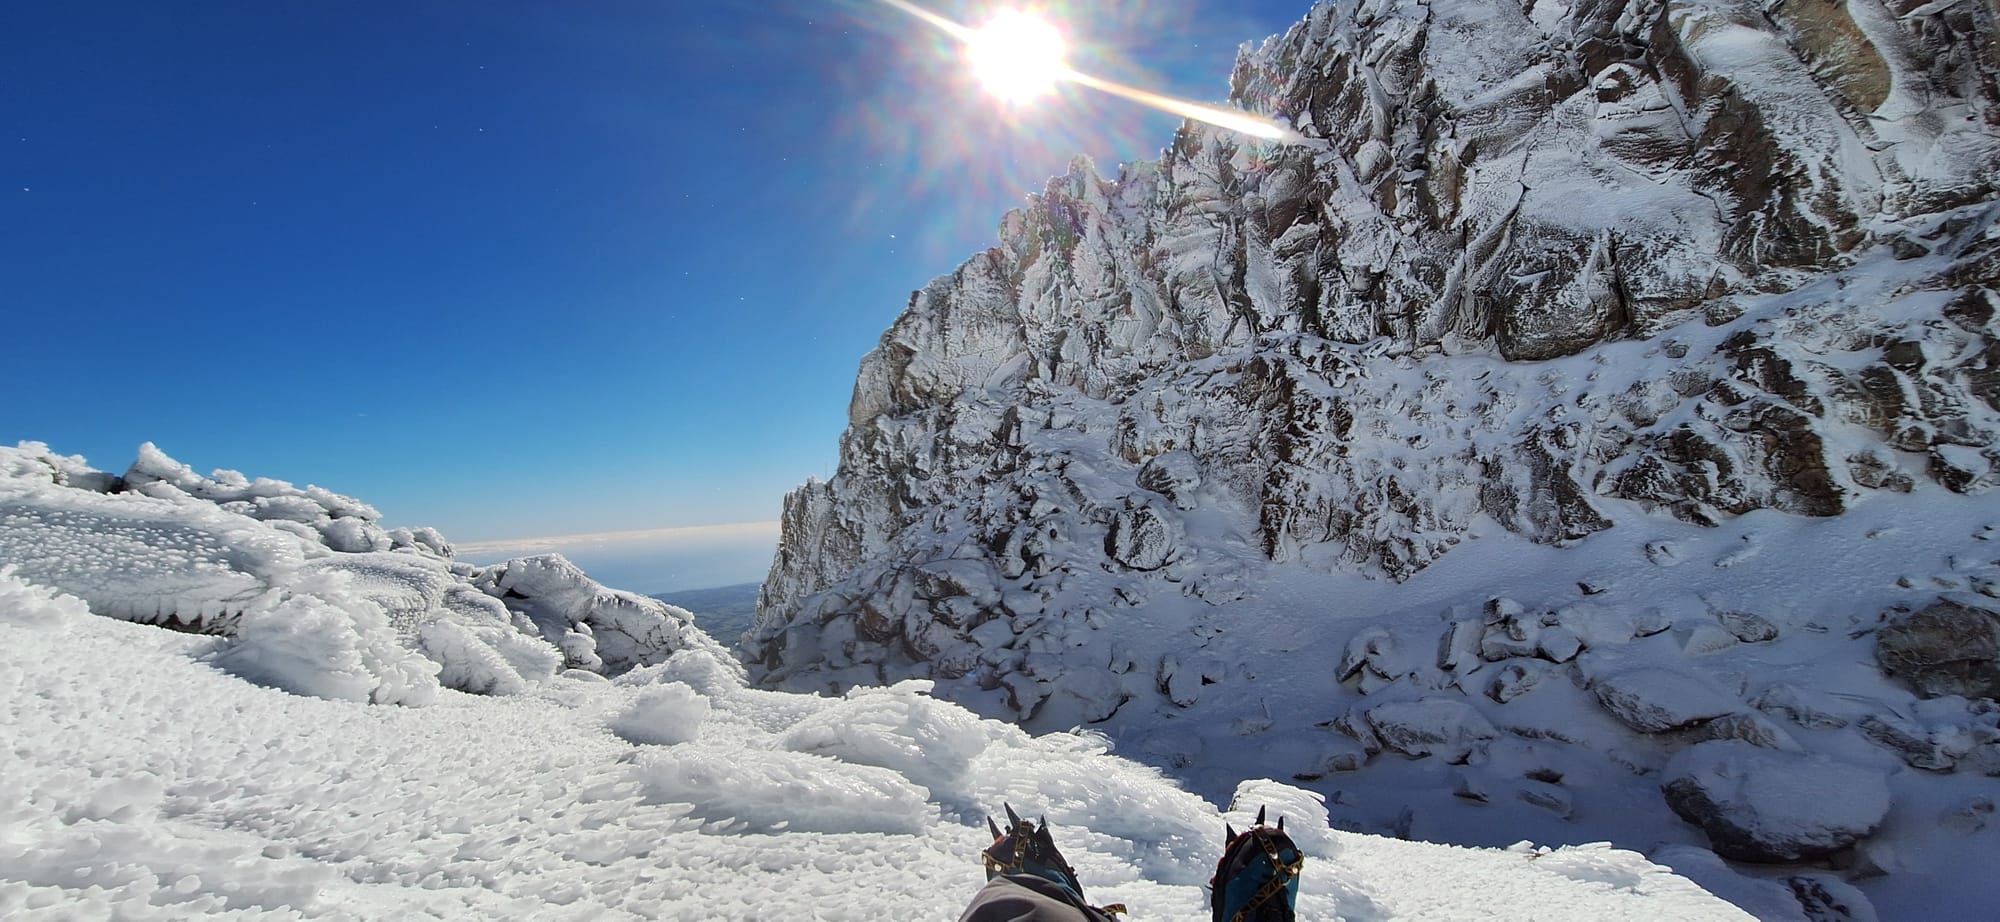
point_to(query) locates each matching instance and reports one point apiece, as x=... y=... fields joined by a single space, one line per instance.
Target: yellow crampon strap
x=1281 y=874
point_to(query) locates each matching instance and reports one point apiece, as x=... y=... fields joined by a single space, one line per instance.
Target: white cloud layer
x=654 y=560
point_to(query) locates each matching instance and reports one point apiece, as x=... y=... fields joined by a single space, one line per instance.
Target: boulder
x=1174 y=475
x=1655 y=700
x=1143 y=537
x=1558 y=645
x=1748 y=726
x=1370 y=643
x=1182 y=679
x=1510 y=631
x=1431 y=725
x=1513 y=681
x=1917 y=746
x=1767 y=806
x=1747 y=627
x=1949 y=648
x=1813 y=710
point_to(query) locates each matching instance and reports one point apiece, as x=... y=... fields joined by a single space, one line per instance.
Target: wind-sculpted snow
x=1553 y=301
x=140 y=558
x=144 y=785
x=318 y=598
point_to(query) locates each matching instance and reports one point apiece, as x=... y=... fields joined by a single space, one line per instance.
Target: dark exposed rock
x=1911 y=741
x=1174 y=475
x=1143 y=537
x=1948 y=648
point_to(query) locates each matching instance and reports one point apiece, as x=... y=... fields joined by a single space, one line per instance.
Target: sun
x=1018 y=55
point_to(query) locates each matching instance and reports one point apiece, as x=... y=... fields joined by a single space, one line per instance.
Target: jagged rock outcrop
x=1558 y=287
x=1522 y=260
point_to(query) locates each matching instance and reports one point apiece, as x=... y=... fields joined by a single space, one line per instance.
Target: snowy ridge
x=1599 y=388
x=566 y=803
x=316 y=597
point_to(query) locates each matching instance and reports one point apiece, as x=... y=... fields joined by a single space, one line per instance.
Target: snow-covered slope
x=1578 y=421
x=145 y=784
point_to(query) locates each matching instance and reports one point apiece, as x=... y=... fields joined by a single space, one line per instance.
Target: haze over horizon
x=516 y=269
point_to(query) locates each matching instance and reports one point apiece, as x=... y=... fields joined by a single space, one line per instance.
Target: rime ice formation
x=317 y=598
x=1602 y=373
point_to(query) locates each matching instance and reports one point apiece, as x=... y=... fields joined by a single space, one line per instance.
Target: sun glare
x=1018 y=55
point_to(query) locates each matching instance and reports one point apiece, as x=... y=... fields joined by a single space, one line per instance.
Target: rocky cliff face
x=1587 y=425
x=1530 y=262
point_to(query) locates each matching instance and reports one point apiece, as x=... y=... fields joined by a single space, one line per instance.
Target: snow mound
x=899 y=728
x=662 y=714
x=37 y=606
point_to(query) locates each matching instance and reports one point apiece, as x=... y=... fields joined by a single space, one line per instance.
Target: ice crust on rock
x=315 y=596
x=35 y=606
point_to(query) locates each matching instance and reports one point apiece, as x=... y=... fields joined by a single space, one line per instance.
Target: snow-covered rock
x=1760 y=805
x=1431 y=725
x=1653 y=699
x=624 y=628
x=326 y=641
x=315 y=595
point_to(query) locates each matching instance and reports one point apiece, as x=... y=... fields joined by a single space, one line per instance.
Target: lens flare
x=1020 y=55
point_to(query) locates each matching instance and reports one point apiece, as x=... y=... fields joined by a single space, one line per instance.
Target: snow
x=1756 y=801
x=329 y=643
x=150 y=785
x=663 y=714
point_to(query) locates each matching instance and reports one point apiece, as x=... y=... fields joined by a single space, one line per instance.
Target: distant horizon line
x=608 y=537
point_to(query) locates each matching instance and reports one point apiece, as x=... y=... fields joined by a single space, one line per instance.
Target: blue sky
x=513 y=268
